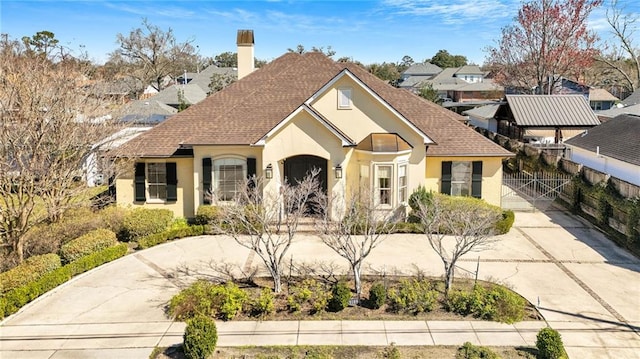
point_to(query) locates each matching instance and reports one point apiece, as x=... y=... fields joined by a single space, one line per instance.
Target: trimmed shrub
x=113 y=219
x=549 y=344
x=390 y=352
x=142 y=222
x=263 y=305
x=504 y=224
x=91 y=242
x=208 y=299
x=207 y=214
x=15 y=299
x=159 y=238
x=340 y=296
x=419 y=196
x=308 y=293
x=498 y=304
x=97 y=259
x=470 y=351
x=412 y=296
x=200 y=338
x=31 y=269
x=377 y=296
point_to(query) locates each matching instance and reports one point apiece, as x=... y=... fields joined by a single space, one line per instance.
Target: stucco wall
x=616 y=168
x=183 y=207
x=491 y=176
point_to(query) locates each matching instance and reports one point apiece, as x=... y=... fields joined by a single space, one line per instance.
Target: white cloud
x=458 y=12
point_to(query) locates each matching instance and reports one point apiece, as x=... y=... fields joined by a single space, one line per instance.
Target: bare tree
x=455 y=226
x=49 y=126
x=154 y=54
x=622 y=56
x=354 y=228
x=220 y=81
x=267 y=224
x=548 y=40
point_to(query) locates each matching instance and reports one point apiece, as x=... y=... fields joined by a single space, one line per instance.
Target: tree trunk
x=448 y=277
x=277 y=282
x=356 y=279
x=18 y=249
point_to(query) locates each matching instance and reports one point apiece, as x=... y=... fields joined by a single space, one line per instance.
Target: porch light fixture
x=268 y=172
x=338 y=171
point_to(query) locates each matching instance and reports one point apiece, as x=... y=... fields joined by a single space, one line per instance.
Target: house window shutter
x=476 y=179
x=251 y=167
x=445 y=182
x=206 y=180
x=139 y=189
x=172 y=182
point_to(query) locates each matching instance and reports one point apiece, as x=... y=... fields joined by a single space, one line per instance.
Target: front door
x=297 y=167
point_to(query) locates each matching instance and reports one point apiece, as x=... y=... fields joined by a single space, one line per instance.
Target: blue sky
x=367 y=31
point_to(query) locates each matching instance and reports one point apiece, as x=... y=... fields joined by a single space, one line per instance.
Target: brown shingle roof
x=245 y=111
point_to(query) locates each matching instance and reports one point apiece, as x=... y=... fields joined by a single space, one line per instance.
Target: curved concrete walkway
x=585 y=287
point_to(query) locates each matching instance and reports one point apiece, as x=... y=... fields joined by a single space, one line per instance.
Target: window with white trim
x=384 y=189
x=228 y=176
x=157 y=180
x=402 y=183
x=461 y=178
x=344 y=98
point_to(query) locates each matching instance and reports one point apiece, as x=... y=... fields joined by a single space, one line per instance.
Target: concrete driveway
x=585 y=287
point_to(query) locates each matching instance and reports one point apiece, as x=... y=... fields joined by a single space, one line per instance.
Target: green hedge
x=504 y=224
x=142 y=222
x=15 y=299
x=91 y=242
x=31 y=269
x=496 y=303
x=207 y=214
x=159 y=238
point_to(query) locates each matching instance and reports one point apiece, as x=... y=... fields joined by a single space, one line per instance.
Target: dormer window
x=344 y=98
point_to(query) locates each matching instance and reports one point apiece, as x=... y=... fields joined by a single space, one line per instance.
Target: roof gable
x=247 y=110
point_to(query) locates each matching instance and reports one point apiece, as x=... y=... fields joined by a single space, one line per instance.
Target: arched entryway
x=297 y=167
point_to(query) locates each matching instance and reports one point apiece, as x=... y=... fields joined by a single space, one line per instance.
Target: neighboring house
x=416 y=74
x=612 y=148
x=118 y=91
x=304 y=111
x=544 y=118
x=483 y=117
x=599 y=99
x=618 y=110
x=633 y=99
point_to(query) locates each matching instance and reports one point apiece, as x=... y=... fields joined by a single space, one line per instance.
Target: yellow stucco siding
x=304 y=135
x=217 y=152
x=183 y=207
x=491 y=175
x=365 y=116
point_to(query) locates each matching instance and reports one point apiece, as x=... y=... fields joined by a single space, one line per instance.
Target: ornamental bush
x=91 y=242
x=207 y=214
x=412 y=296
x=31 y=269
x=497 y=303
x=470 y=351
x=142 y=222
x=504 y=224
x=309 y=293
x=200 y=337
x=549 y=344
x=173 y=233
x=264 y=304
x=222 y=301
x=377 y=296
x=340 y=296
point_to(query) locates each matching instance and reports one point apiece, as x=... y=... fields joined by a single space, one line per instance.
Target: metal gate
x=526 y=191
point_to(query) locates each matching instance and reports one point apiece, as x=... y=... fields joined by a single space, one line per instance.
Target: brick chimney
x=245 y=53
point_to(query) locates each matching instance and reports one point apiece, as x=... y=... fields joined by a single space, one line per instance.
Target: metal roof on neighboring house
x=618 y=138
x=551 y=111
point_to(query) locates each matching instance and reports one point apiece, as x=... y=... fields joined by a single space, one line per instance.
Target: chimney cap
x=245 y=37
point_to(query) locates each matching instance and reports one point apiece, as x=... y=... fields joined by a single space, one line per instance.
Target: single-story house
x=304 y=111
x=544 y=118
x=483 y=117
x=612 y=148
